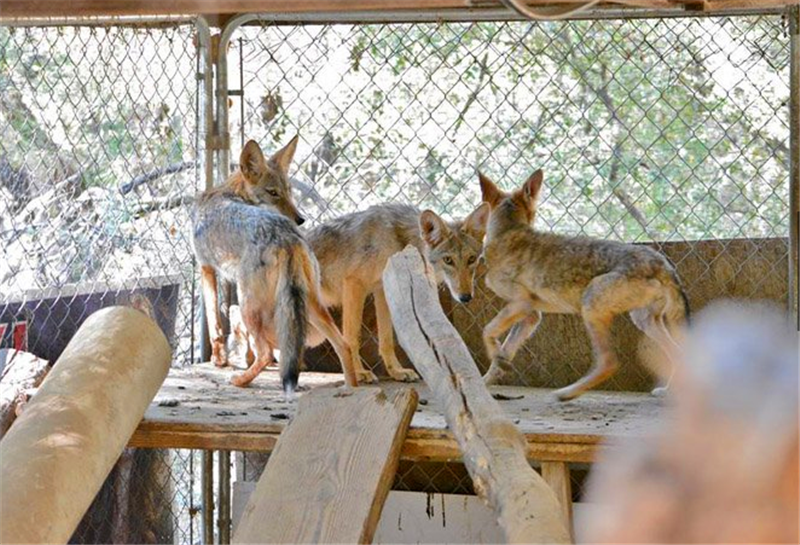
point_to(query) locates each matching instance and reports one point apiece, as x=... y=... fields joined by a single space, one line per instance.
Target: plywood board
x=329 y=475
x=197 y=407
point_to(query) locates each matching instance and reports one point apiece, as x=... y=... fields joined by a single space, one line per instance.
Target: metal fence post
x=794 y=175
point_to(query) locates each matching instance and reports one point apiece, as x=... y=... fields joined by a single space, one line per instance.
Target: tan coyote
x=537 y=272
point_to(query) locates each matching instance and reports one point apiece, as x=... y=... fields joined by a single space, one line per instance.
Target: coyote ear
x=251 y=161
x=434 y=230
x=283 y=157
x=489 y=191
x=532 y=185
x=475 y=223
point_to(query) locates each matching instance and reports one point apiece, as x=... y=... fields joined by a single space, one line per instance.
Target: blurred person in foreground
x=723 y=466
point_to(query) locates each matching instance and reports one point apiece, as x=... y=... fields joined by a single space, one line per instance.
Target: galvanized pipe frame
x=794 y=172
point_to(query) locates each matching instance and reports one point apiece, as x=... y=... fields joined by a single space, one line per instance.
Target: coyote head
x=454 y=249
x=267 y=180
x=518 y=206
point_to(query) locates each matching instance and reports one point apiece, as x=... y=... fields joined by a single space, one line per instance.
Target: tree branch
x=155 y=174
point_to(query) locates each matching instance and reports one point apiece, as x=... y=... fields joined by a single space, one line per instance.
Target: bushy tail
x=292 y=318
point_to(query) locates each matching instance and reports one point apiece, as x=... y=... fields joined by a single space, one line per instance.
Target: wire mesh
x=672 y=132
x=99 y=152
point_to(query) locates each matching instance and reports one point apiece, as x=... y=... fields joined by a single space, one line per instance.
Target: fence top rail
x=363 y=10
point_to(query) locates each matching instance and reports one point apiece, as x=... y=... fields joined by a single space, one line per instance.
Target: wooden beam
x=557 y=475
x=63 y=446
x=494 y=449
x=87 y=8
x=332 y=469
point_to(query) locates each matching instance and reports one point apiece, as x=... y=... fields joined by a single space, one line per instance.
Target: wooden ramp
x=331 y=470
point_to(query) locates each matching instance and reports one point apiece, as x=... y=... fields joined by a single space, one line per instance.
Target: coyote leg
x=505 y=320
x=321 y=319
x=353 y=299
x=208 y=281
x=386 y=340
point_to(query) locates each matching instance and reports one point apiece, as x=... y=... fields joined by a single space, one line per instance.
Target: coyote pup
x=246 y=231
x=538 y=272
x=353 y=251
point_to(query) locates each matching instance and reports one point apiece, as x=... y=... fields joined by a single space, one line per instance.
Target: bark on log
x=22 y=372
x=493 y=448
x=60 y=450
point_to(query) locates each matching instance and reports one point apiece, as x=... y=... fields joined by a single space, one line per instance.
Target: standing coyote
x=245 y=230
x=538 y=272
x=353 y=251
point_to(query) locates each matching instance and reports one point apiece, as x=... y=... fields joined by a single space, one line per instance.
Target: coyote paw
x=242 y=379
x=402 y=374
x=659 y=391
x=365 y=376
x=567 y=393
x=498 y=372
x=219 y=354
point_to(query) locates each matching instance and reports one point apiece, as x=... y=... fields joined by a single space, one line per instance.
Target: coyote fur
x=537 y=272
x=353 y=251
x=245 y=231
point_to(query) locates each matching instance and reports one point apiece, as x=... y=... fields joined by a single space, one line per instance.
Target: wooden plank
x=329 y=475
x=494 y=449
x=556 y=474
x=200 y=398
x=84 y=8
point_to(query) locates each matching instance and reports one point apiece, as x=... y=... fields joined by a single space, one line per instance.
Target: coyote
x=245 y=231
x=353 y=251
x=538 y=272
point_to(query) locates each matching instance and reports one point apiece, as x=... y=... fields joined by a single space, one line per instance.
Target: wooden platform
x=198 y=408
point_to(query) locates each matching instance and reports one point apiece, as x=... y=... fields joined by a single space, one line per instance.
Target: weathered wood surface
x=50 y=8
x=60 y=450
x=330 y=473
x=494 y=449
x=557 y=475
x=197 y=407
x=22 y=372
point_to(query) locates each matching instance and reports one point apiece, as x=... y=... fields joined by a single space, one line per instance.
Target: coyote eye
x=472 y=259
x=448 y=260
x=272 y=193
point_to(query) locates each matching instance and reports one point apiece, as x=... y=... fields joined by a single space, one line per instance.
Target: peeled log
x=60 y=450
x=493 y=448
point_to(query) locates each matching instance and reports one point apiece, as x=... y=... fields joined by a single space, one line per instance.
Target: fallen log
x=22 y=373
x=493 y=448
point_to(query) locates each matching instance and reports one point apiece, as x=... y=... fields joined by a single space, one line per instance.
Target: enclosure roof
x=221 y=10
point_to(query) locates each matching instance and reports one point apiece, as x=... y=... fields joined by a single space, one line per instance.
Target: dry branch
x=21 y=374
x=155 y=174
x=493 y=448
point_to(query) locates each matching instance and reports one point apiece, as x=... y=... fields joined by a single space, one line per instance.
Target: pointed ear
x=489 y=191
x=251 y=162
x=532 y=185
x=283 y=157
x=433 y=228
x=475 y=223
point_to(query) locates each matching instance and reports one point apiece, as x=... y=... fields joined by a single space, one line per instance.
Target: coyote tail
x=292 y=318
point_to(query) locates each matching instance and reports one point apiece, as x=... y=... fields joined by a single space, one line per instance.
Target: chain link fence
x=672 y=132
x=100 y=147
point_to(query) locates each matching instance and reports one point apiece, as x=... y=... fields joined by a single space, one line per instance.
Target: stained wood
x=494 y=449
x=557 y=475
x=331 y=470
x=197 y=407
x=22 y=372
x=50 y=8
